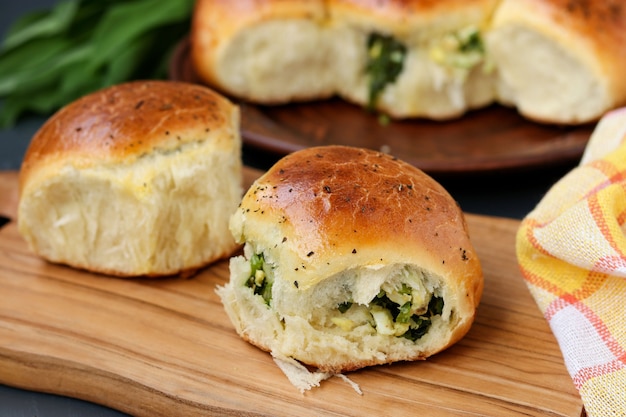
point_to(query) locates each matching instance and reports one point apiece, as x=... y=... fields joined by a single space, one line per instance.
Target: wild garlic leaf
x=20 y=66
x=124 y=64
x=51 y=58
x=73 y=76
x=41 y=24
x=127 y=21
x=385 y=62
x=22 y=22
x=43 y=101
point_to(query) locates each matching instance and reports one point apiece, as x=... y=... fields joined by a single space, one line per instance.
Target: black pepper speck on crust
x=333 y=194
x=128 y=111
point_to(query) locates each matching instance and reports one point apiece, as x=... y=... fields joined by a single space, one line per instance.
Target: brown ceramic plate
x=492 y=139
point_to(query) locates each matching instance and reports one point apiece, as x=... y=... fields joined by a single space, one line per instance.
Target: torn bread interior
x=351 y=258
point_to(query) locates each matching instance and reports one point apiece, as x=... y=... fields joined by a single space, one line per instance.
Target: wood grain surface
x=166 y=348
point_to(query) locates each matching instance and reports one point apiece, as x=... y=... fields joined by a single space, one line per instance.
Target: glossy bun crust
x=136 y=179
x=339 y=224
x=342 y=207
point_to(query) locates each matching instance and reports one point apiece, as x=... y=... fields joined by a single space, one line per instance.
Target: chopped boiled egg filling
x=461 y=49
x=261 y=277
x=406 y=312
x=400 y=311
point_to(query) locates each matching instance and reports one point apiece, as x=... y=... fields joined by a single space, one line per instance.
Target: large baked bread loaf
x=352 y=258
x=557 y=61
x=136 y=179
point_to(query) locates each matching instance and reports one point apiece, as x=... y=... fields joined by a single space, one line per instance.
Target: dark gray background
x=508 y=194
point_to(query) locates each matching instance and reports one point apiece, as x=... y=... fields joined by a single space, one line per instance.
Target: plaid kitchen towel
x=572 y=253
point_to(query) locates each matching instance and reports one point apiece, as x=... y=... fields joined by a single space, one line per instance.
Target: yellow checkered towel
x=572 y=253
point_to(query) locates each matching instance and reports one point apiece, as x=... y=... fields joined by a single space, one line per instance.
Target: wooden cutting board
x=165 y=347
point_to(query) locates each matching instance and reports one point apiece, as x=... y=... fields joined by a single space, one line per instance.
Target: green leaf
x=256 y=263
x=26 y=20
x=44 y=101
x=126 y=21
x=19 y=66
x=76 y=78
x=435 y=306
x=41 y=25
x=404 y=314
x=51 y=58
x=345 y=306
x=123 y=65
x=385 y=62
x=31 y=79
x=418 y=328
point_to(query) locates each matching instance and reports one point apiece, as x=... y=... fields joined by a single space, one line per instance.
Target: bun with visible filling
x=352 y=258
x=405 y=58
x=556 y=61
x=136 y=179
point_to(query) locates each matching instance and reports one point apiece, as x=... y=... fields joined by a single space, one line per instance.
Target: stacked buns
x=136 y=179
x=556 y=61
x=352 y=258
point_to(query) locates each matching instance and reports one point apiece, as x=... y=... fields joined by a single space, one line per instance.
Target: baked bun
x=352 y=258
x=558 y=60
x=283 y=51
x=136 y=179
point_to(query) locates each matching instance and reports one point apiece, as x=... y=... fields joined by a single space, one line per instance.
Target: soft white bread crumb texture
x=136 y=180
x=560 y=61
x=335 y=227
x=555 y=61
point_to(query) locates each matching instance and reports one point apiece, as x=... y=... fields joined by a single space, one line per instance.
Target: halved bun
x=556 y=61
x=344 y=229
x=136 y=179
x=283 y=51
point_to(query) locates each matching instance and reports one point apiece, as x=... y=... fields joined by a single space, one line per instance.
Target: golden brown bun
x=338 y=224
x=283 y=51
x=556 y=61
x=136 y=179
x=560 y=61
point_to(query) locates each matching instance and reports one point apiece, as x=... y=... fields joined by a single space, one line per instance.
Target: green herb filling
x=462 y=49
x=391 y=318
x=385 y=60
x=261 y=278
